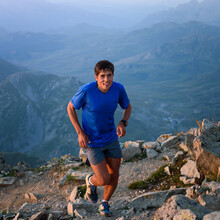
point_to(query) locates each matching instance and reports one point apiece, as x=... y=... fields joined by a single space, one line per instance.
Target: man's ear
x=96 y=77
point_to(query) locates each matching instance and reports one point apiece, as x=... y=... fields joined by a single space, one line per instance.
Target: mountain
x=8 y=68
x=206 y=11
x=33 y=114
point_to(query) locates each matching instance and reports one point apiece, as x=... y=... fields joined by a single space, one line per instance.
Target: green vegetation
x=159 y=180
x=70 y=178
x=82 y=190
x=12 y=173
x=39 y=169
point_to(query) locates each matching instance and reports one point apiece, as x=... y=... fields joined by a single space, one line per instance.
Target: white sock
x=104 y=201
x=90 y=181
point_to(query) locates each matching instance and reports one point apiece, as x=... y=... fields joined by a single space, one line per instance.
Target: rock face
x=206 y=150
x=190 y=173
x=176 y=204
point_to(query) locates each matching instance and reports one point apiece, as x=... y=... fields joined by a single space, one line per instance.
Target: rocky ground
x=45 y=193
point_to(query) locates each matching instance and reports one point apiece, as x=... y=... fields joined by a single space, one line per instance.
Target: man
x=98 y=133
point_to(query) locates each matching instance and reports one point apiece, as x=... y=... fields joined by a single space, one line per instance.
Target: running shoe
x=104 y=209
x=91 y=191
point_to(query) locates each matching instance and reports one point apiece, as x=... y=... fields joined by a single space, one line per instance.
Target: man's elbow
x=70 y=107
x=129 y=107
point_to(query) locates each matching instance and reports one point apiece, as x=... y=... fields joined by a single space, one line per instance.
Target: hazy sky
x=43 y=14
x=125 y=2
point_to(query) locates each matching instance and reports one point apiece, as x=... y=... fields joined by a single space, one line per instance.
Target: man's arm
x=121 y=131
x=82 y=137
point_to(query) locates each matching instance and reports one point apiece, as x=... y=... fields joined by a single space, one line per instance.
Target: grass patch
x=81 y=167
x=11 y=173
x=82 y=191
x=159 y=180
x=39 y=169
x=70 y=178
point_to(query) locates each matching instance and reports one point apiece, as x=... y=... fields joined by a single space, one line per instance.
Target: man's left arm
x=121 y=131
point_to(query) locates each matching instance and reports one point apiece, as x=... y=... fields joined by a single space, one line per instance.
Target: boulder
x=6 y=181
x=176 y=203
x=31 y=197
x=39 y=216
x=151 y=145
x=212 y=216
x=74 y=194
x=163 y=138
x=130 y=150
x=211 y=201
x=204 y=147
x=170 y=142
x=185 y=214
x=190 y=173
x=81 y=204
x=151 y=153
x=153 y=199
x=82 y=154
x=207 y=157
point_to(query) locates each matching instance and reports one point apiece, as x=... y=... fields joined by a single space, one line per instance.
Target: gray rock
x=153 y=199
x=210 y=201
x=163 y=137
x=189 y=170
x=185 y=214
x=151 y=145
x=213 y=186
x=120 y=203
x=39 y=216
x=81 y=204
x=6 y=181
x=80 y=213
x=31 y=197
x=212 y=216
x=177 y=156
x=206 y=150
x=179 y=202
x=74 y=194
x=130 y=150
x=170 y=142
x=77 y=174
x=167 y=170
x=82 y=154
x=151 y=153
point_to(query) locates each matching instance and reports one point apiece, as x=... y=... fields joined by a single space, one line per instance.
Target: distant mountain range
x=206 y=11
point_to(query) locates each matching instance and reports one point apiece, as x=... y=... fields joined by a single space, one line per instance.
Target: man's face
x=104 y=80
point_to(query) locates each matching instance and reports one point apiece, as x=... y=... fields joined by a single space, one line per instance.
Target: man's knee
x=104 y=180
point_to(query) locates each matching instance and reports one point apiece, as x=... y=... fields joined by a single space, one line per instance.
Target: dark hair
x=103 y=65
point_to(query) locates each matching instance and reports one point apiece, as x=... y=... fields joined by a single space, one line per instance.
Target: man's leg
x=113 y=166
x=106 y=174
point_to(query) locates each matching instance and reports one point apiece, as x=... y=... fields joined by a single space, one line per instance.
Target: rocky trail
x=53 y=191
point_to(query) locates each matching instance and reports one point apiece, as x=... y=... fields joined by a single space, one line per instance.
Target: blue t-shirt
x=98 y=111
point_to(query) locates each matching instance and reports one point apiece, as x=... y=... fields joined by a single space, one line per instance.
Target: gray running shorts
x=98 y=154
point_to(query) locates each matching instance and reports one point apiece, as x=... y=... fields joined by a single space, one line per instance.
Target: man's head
x=103 y=65
x=104 y=73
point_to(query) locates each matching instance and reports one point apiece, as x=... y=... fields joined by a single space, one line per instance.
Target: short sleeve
x=123 y=98
x=78 y=100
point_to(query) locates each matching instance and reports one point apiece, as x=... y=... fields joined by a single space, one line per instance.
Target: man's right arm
x=82 y=137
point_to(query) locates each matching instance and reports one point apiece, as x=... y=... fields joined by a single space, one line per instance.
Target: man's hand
x=83 y=140
x=121 y=131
